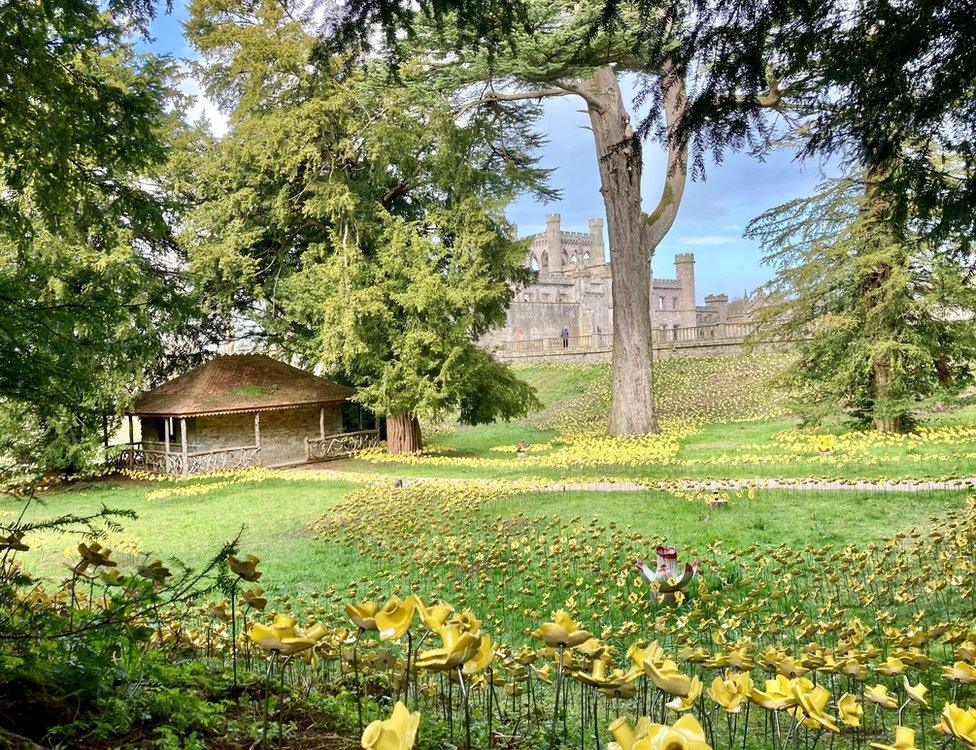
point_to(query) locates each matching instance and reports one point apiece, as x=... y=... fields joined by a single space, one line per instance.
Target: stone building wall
x=283 y=432
x=574 y=288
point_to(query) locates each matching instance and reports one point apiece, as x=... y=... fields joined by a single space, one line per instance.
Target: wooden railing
x=339 y=445
x=239 y=457
x=704 y=334
x=136 y=456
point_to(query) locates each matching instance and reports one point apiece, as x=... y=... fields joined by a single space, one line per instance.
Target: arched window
x=544 y=264
x=534 y=264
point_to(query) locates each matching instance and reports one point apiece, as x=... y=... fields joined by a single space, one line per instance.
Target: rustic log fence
x=339 y=445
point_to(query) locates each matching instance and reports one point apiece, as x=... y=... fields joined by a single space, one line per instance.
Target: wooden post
x=167 y=426
x=322 y=422
x=132 y=444
x=257 y=437
x=186 y=463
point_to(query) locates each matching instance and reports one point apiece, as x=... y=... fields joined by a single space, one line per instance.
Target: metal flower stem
x=555 y=705
x=355 y=669
x=406 y=677
x=233 y=629
x=582 y=714
x=281 y=702
x=745 y=731
x=467 y=709
x=596 y=717
x=491 y=693
x=267 y=690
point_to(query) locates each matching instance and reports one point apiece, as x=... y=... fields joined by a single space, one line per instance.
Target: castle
x=573 y=292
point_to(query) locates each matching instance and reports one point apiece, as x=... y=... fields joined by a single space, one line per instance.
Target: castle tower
x=554 y=242
x=598 y=255
x=684 y=266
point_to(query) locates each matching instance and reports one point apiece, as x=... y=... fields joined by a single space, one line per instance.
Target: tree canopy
x=89 y=289
x=881 y=318
x=357 y=222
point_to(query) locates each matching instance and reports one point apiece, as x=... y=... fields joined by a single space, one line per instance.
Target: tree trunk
x=884 y=375
x=633 y=237
x=403 y=433
x=884 y=368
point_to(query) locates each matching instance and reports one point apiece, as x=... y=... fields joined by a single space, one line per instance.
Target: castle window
x=675 y=300
x=660 y=303
x=534 y=264
x=545 y=261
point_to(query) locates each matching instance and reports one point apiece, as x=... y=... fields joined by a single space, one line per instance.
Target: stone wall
x=283 y=432
x=662 y=350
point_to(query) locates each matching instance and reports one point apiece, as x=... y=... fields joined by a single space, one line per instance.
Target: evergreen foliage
x=882 y=318
x=356 y=221
x=90 y=293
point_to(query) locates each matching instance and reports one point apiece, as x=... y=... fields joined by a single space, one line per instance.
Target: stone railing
x=704 y=335
x=339 y=445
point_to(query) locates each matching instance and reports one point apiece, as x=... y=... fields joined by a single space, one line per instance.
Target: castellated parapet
x=574 y=288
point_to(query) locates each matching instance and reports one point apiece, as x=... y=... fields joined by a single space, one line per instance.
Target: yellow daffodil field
x=539 y=585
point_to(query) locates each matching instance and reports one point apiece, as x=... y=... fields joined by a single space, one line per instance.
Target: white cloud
x=707 y=241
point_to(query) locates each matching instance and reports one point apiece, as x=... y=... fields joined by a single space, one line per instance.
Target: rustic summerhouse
x=244 y=410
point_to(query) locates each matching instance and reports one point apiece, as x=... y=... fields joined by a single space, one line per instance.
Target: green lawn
x=773 y=517
x=736 y=415
x=275 y=516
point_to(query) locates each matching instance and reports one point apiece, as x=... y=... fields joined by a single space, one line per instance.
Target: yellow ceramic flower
x=687 y=702
x=283 y=637
x=916 y=693
x=245 y=569
x=482 y=658
x=810 y=708
x=879 y=695
x=685 y=734
x=777 y=695
x=457 y=648
x=850 y=710
x=625 y=735
x=958 y=722
x=434 y=617
x=731 y=693
x=563 y=631
x=154 y=571
x=363 y=615
x=254 y=598
x=893 y=666
x=13 y=542
x=399 y=732
x=960 y=672
x=668 y=679
x=904 y=740
x=93 y=555
x=395 y=618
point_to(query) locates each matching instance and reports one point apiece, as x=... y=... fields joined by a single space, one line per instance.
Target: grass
x=272 y=517
x=786 y=517
x=733 y=404
x=275 y=516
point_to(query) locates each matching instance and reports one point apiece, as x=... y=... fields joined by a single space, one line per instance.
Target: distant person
x=565 y=335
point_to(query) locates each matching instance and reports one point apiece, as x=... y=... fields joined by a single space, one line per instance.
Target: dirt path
x=681 y=485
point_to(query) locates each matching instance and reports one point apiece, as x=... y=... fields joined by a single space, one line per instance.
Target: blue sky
x=713 y=212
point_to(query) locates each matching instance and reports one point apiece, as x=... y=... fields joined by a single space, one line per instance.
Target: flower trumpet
x=399 y=732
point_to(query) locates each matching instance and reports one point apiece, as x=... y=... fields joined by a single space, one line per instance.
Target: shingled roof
x=239 y=383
